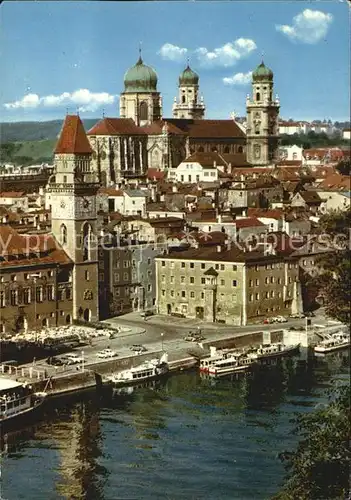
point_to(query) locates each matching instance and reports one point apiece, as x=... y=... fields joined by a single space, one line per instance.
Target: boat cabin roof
x=8 y=383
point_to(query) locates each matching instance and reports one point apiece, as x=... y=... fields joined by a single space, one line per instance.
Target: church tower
x=72 y=190
x=262 y=131
x=140 y=99
x=189 y=105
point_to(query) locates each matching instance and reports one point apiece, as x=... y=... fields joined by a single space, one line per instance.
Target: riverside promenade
x=157 y=334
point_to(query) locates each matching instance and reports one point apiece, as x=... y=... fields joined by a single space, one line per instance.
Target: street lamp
x=162 y=334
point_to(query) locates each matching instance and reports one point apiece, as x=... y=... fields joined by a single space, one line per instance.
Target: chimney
x=219 y=248
x=219 y=218
x=244 y=212
x=174 y=188
x=242 y=177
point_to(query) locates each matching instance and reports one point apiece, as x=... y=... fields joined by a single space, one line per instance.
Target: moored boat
x=235 y=363
x=215 y=356
x=335 y=343
x=149 y=370
x=276 y=350
x=18 y=401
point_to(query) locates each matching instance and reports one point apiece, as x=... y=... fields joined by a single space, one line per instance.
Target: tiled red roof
x=336 y=182
x=116 y=126
x=208 y=128
x=248 y=222
x=153 y=173
x=12 y=194
x=206 y=159
x=268 y=213
x=110 y=191
x=14 y=244
x=290 y=163
x=236 y=159
x=156 y=127
x=73 y=139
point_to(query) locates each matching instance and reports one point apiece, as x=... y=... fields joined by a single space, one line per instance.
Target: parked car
x=106 y=353
x=145 y=314
x=297 y=316
x=281 y=319
x=138 y=348
x=73 y=359
x=52 y=360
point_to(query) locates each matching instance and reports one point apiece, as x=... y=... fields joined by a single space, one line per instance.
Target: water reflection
x=189 y=436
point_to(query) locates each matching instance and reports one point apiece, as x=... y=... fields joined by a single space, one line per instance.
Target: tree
x=334 y=279
x=344 y=166
x=319 y=468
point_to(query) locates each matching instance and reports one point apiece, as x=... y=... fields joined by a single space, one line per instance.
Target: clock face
x=62 y=204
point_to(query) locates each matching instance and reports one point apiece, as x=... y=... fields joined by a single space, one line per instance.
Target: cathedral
x=124 y=148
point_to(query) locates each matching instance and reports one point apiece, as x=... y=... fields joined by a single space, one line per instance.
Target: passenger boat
x=18 y=401
x=149 y=370
x=276 y=350
x=235 y=363
x=336 y=342
x=215 y=356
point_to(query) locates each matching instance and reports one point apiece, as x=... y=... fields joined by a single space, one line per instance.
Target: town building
x=190 y=104
x=227 y=286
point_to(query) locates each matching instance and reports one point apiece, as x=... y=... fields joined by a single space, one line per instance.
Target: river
x=188 y=438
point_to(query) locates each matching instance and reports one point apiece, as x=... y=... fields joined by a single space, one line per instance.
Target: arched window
x=143 y=111
x=63 y=234
x=226 y=149
x=87 y=241
x=183 y=99
x=200 y=149
x=258 y=96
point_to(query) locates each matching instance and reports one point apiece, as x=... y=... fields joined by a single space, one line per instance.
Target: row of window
x=182 y=294
x=222 y=282
x=28 y=276
x=267 y=295
x=41 y=294
x=218 y=267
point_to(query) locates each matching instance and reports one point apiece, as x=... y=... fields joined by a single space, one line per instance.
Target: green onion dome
x=188 y=77
x=262 y=73
x=140 y=78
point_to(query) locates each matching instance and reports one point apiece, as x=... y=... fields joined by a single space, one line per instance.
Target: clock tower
x=72 y=190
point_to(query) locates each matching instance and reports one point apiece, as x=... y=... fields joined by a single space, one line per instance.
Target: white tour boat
x=17 y=400
x=215 y=356
x=336 y=342
x=233 y=364
x=276 y=350
x=149 y=370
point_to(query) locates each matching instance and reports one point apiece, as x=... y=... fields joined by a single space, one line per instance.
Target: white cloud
x=310 y=26
x=227 y=55
x=172 y=52
x=82 y=98
x=238 y=79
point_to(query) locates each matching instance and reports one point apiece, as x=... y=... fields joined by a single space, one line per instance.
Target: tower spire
x=140 y=61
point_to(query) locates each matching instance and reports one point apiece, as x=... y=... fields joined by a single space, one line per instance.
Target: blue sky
x=58 y=55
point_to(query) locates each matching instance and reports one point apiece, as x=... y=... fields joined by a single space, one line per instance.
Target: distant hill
x=35 y=131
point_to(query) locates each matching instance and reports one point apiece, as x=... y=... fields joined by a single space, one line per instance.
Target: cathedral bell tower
x=262 y=131
x=72 y=191
x=189 y=104
x=140 y=99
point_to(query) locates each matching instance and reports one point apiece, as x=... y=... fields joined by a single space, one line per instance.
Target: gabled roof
x=156 y=128
x=110 y=191
x=310 y=197
x=206 y=160
x=265 y=213
x=211 y=272
x=335 y=182
x=236 y=159
x=153 y=173
x=73 y=139
x=248 y=222
x=116 y=126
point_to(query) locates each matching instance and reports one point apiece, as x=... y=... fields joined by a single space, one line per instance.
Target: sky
x=59 y=56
